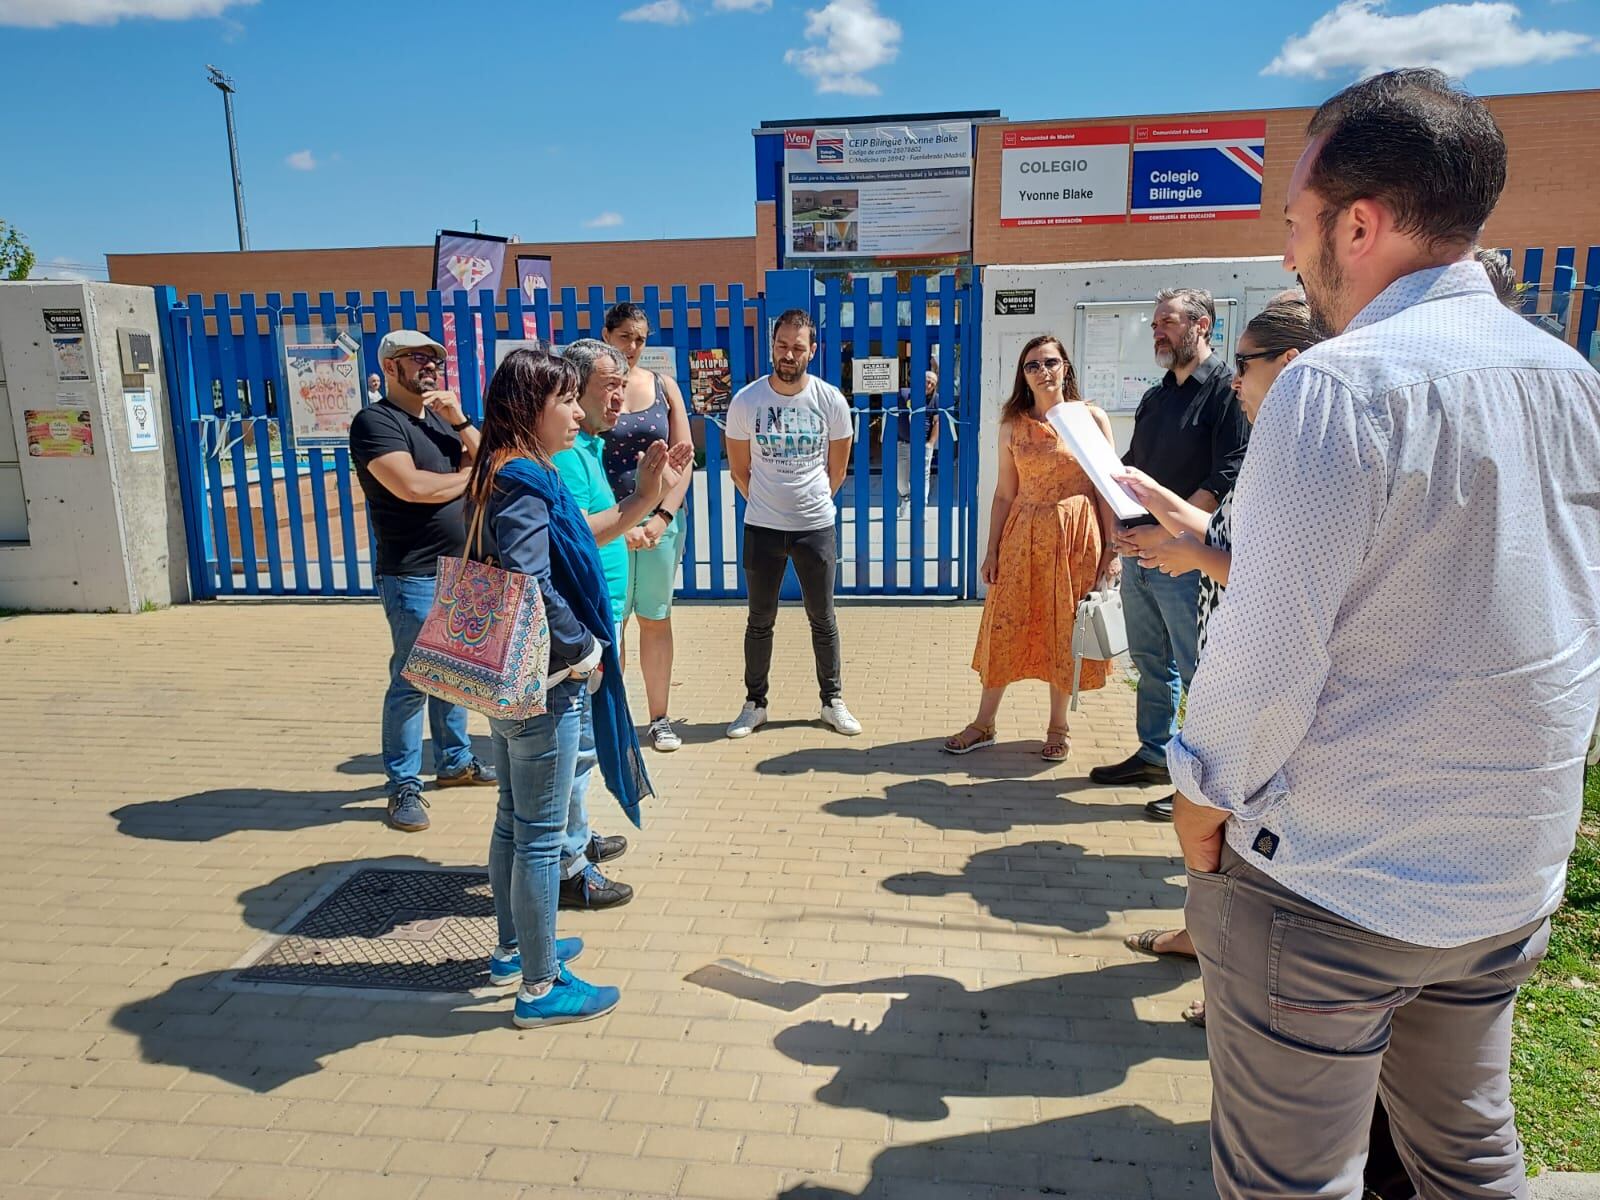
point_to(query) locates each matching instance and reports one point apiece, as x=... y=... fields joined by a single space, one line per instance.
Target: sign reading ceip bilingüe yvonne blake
x=1201 y=171
x=878 y=191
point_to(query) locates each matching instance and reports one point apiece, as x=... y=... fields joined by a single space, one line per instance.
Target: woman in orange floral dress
x=1048 y=546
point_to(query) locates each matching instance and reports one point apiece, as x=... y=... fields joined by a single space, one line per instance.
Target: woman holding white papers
x=1048 y=546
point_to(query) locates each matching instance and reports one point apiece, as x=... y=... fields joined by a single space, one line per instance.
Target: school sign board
x=1200 y=171
x=1073 y=176
x=878 y=191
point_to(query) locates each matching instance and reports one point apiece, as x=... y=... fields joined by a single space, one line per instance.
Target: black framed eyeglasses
x=421 y=358
x=1241 y=362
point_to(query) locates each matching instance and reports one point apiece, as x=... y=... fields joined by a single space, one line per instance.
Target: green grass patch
x=1555 y=1056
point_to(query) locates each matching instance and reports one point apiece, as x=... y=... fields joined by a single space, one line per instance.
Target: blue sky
x=372 y=123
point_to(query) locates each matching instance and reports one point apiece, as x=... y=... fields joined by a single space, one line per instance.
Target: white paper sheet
x=1096 y=456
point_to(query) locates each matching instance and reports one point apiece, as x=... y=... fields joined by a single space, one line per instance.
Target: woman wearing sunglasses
x=1048 y=546
x=1192 y=539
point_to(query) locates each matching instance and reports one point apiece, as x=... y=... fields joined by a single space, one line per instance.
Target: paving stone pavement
x=854 y=967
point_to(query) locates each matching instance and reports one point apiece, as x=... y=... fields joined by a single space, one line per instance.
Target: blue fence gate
x=265 y=517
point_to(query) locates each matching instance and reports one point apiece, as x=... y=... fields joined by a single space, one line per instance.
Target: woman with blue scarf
x=532 y=525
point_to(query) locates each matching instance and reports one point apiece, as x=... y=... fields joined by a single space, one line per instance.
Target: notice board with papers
x=1113 y=353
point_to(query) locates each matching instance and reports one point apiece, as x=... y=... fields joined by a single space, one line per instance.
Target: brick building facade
x=1553 y=138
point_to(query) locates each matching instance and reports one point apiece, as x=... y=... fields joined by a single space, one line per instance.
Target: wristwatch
x=664 y=514
x=464 y=425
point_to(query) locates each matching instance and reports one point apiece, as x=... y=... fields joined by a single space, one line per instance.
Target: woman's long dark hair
x=518 y=392
x=1022 y=395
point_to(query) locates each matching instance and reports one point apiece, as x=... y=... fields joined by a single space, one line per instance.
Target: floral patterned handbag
x=486 y=642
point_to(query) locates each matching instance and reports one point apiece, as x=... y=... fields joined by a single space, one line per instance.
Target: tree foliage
x=16 y=258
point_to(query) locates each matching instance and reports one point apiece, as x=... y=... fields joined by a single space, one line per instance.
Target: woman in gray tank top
x=652 y=410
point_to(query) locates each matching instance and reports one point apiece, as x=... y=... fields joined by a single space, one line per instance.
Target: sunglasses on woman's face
x=1034 y=365
x=1241 y=362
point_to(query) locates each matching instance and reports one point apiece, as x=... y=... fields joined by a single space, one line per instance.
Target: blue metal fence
x=265 y=517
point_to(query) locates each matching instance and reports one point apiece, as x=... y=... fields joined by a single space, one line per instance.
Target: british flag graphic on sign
x=1207 y=171
x=830 y=150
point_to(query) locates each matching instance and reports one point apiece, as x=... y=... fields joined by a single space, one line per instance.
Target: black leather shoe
x=1130 y=770
x=591 y=890
x=1159 y=810
x=604 y=849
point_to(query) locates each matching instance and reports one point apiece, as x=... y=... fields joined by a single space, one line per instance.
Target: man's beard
x=787 y=373
x=1184 y=353
x=410 y=379
x=1325 y=289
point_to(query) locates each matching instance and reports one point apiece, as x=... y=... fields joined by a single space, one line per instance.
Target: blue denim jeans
x=1163 y=621
x=406 y=601
x=538 y=760
x=576 y=839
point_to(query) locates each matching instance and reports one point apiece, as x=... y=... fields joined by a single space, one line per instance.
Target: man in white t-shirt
x=789 y=439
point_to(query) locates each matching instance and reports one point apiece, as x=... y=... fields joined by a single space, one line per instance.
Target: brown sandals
x=1057 y=744
x=962 y=744
x=1145 y=943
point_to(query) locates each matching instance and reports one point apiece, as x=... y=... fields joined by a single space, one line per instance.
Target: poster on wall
x=72 y=357
x=1112 y=347
x=533 y=277
x=1208 y=171
x=660 y=360
x=59 y=432
x=1076 y=176
x=322 y=369
x=141 y=420
x=710 y=381
x=465 y=262
x=878 y=191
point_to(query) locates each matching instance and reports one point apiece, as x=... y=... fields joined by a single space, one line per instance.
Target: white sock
x=501 y=954
x=533 y=991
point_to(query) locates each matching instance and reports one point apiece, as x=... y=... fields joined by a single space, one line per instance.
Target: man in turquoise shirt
x=602 y=379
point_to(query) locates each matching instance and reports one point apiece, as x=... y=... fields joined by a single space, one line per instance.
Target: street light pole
x=225 y=85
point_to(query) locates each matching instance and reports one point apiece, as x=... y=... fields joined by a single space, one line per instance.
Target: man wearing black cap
x=413 y=452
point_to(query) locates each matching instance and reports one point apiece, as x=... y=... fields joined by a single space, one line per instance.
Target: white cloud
x=46 y=14
x=1359 y=37
x=855 y=38
x=659 y=12
x=606 y=220
x=302 y=160
x=65 y=268
x=742 y=5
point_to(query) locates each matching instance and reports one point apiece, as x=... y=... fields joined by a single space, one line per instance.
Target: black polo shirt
x=1190 y=435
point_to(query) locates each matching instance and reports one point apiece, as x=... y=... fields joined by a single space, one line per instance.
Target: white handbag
x=1098 y=631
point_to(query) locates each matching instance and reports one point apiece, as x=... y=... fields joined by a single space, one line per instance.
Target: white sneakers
x=663 y=737
x=835 y=715
x=751 y=718
x=838 y=716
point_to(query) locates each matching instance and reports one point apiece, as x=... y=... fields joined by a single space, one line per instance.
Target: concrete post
x=91 y=518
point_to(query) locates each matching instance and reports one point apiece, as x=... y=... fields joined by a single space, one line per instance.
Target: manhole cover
x=419 y=931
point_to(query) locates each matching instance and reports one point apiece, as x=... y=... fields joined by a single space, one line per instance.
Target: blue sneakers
x=509 y=970
x=569 y=999
x=408 y=811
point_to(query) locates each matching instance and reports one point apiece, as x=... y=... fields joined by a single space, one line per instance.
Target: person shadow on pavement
x=218 y=812
x=1052 y=883
x=994 y=807
x=261 y=1038
x=1122 y=1151
x=1064 y=1035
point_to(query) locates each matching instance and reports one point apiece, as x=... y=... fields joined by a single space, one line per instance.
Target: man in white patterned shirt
x=1380 y=775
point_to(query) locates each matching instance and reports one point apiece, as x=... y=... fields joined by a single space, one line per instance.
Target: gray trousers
x=1309 y=1017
